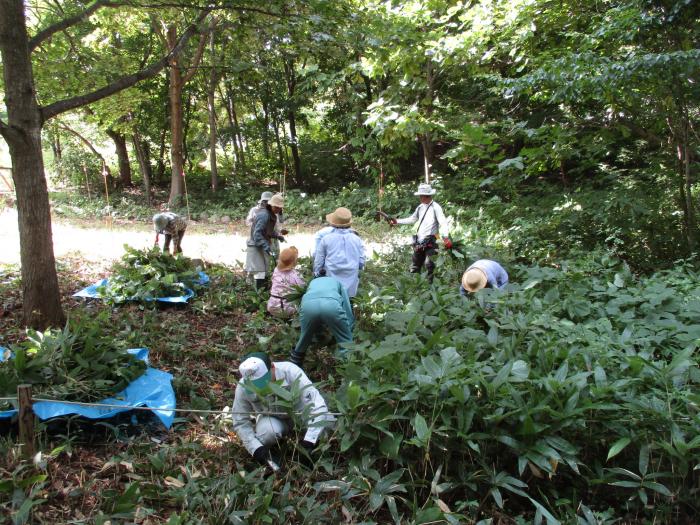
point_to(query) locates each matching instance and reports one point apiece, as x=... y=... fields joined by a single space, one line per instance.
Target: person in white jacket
x=431 y=222
x=254 y=398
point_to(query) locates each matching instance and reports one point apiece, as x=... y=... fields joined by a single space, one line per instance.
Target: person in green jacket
x=325 y=303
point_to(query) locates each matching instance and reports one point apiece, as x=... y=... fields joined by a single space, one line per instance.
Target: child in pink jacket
x=283 y=278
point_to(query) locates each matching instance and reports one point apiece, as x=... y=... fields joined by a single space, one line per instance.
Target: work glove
x=308 y=445
x=261 y=455
x=305 y=457
x=265 y=458
x=280 y=238
x=284 y=232
x=447 y=242
x=393 y=222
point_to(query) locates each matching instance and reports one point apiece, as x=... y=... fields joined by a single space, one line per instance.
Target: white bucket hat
x=425 y=189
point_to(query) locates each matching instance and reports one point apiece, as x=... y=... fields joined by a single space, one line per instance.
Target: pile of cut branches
x=145 y=275
x=73 y=364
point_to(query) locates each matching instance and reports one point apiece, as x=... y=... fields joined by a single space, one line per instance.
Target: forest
x=562 y=140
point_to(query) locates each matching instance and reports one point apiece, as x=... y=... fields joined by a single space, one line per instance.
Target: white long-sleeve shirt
x=434 y=223
x=310 y=402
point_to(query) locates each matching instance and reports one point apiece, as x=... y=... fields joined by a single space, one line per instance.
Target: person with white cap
x=431 y=221
x=264 y=197
x=173 y=226
x=483 y=273
x=254 y=399
x=325 y=304
x=261 y=205
x=259 y=244
x=340 y=253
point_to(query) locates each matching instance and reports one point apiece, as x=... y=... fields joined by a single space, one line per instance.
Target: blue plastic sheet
x=153 y=389
x=91 y=292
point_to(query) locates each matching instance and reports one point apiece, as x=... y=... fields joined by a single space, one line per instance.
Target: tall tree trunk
x=266 y=129
x=143 y=157
x=57 y=152
x=211 y=103
x=160 y=167
x=291 y=79
x=123 y=158
x=281 y=152
x=177 y=183
x=41 y=296
x=177 y=84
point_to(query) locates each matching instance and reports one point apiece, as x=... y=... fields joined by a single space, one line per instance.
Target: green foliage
x=144 y=275
x=77 y=363
x=575 y=377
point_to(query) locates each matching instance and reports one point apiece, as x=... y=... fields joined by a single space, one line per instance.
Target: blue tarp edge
x=90 y=292
x=153 y=389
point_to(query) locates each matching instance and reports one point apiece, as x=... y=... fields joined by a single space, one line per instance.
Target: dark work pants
x=177 y=242
x=422 y=258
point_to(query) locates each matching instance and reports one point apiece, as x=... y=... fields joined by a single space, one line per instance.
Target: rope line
x=152 y=409
x=229 y=412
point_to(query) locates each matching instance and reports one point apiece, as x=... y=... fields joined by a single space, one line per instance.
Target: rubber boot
x=296 y=358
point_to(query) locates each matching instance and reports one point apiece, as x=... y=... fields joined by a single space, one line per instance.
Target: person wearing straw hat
x=261 y=205
x=259 y=244
x=431 y=221
x=173 y=227
x=483 y=273
x=253 y=400
x=283 y=278
x=325 y=304
x=340 y=253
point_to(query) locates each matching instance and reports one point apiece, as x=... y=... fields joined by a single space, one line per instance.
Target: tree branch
x=122 y=83
x=197 y=57
x=9 y=133
x=70 y=21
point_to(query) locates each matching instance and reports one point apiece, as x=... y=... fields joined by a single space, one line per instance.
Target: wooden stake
x=26 y=420
x=109 y=207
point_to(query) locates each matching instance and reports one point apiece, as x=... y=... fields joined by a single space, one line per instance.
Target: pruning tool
x=381 y=215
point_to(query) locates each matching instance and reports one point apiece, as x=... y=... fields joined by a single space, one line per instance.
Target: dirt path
x=96 y=242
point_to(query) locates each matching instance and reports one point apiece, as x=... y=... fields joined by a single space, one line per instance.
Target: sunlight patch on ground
x=100 y=243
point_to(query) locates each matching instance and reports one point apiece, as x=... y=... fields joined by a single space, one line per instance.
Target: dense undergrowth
x=571 y=396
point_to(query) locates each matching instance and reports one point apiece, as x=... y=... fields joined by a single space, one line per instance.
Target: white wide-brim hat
x=425 y=189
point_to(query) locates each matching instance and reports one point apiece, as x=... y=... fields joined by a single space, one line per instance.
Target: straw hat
x=288 y=258
x=276 y=200
x=340 y=218
x=474 y=279
x=425 y=189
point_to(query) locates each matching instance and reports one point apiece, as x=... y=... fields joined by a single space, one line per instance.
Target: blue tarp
x=153 y=389
x=91 y=291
